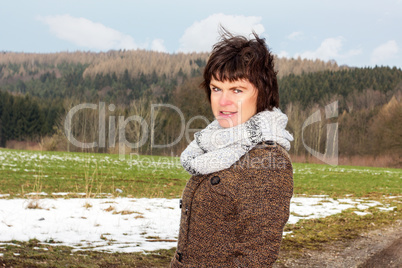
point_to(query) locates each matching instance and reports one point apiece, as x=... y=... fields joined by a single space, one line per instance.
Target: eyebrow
x=235 y=87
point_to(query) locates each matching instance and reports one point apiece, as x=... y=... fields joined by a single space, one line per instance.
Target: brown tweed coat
x=235 y=217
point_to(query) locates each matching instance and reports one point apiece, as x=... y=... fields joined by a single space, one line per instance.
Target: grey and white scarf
x=215 y=148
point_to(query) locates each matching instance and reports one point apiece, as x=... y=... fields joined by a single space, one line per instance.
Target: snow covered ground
x=126 y=224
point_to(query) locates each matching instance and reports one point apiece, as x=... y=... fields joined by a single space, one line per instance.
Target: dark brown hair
x=235 y=58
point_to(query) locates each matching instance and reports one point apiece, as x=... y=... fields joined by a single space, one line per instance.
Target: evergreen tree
x=6 y=126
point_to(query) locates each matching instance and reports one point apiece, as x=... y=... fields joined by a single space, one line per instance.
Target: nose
x=224 y=99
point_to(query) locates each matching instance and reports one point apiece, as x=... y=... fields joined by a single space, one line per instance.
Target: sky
x=354 y=33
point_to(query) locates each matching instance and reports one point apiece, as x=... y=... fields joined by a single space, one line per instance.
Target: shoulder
x=266 y=168
x=268 y=165
x=266 y=156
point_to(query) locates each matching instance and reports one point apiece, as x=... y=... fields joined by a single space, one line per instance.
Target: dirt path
x=379 y=248
x=388 y=257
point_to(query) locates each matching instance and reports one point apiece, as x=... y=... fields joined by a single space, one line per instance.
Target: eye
x=237 y=91
x=215 y=89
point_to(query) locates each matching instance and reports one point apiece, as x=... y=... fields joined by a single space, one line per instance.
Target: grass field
x=25 y=172
x=93 y=174
x=99 y=175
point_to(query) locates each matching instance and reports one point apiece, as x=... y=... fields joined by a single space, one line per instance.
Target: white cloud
x=203 y=34
x=157 y=45
x=329 y=49
x=384 y=52
x=86 y=33
x=295 y=36
x=92 y=35
x=283 y=54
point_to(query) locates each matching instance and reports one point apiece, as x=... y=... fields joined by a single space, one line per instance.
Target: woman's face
x=233 y=103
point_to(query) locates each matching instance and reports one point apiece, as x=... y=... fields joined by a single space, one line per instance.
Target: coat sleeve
x=263 y=201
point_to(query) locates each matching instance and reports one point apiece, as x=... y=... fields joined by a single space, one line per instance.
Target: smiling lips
x=226 y=114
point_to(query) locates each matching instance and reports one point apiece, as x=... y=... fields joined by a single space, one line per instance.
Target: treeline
x=24 y=117
x=117 y=89
x=369 y=107
x=27 y=66
x=116 y=76
x=368 y=102
x=345 y=85
x=131 y=82
x=373 y=131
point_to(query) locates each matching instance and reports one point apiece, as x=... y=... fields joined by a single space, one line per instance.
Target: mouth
x=226 y=113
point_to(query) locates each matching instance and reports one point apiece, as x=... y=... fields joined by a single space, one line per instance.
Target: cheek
x=250 y=105
x=213 y=104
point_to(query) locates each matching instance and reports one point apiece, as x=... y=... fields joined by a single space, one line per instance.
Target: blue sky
x=355 y=33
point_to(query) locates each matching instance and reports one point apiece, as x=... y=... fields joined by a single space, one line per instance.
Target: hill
x=42 y=88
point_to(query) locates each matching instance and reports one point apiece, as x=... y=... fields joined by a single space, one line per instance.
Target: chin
x=226 y=123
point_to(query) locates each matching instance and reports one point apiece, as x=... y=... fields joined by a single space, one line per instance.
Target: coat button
x=215 y=180
x=270 y=142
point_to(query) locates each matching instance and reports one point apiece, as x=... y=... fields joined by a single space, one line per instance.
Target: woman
x=236 y=204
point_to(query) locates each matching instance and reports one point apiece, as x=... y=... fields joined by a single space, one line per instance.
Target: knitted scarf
x=215 y=148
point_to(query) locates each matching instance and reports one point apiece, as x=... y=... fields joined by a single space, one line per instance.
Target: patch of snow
x=38 y=248
x=286 y=233
x=125 y=224
x=361 y=213
x=393 y=197
x=387 y=209
x=125 y=228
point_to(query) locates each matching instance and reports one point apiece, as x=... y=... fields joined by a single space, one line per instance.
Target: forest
x=38 y=90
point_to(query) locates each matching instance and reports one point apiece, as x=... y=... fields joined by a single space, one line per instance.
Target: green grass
x=155 y=176
x=145 y=176
x=341 y=181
